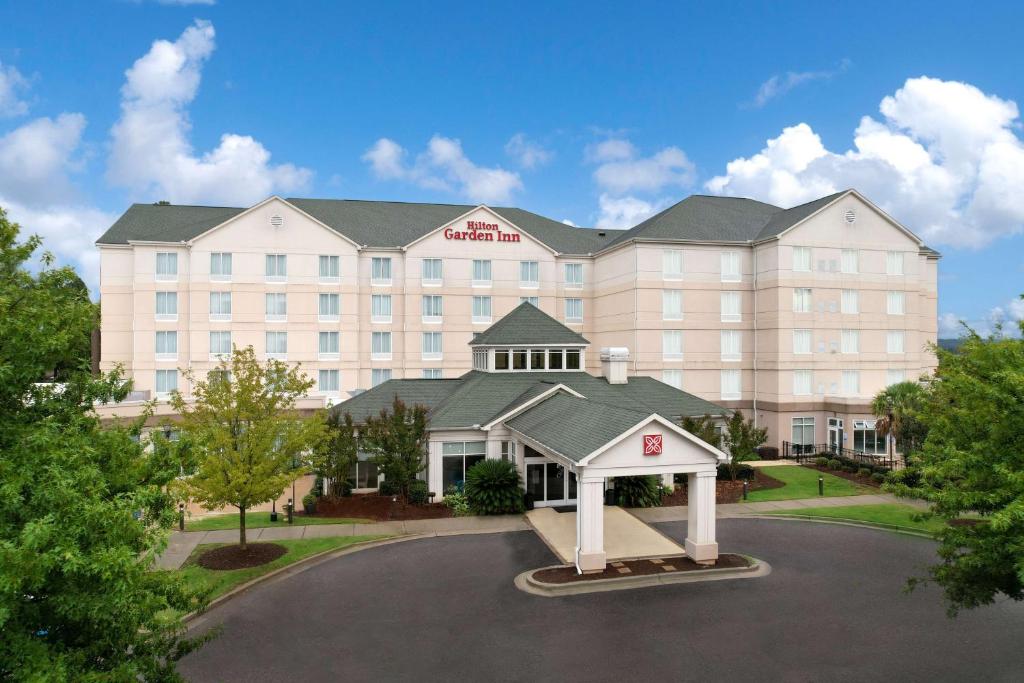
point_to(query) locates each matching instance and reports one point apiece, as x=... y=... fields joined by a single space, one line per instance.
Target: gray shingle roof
x=165 y=222
x=425 y=392
x=783 y=220
x=527 y=324
x=574 y=427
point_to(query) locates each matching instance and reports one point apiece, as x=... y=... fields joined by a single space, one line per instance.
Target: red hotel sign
x=479 y=231
x=652 y=444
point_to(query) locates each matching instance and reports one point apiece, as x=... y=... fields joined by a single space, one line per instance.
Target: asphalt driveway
x=445 y=608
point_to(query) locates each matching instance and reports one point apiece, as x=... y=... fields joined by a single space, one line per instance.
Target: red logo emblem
x=652 y=444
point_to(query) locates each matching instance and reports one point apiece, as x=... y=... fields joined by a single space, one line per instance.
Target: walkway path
x=183 y=543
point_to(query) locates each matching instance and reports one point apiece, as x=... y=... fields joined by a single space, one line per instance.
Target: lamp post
x=181 y=516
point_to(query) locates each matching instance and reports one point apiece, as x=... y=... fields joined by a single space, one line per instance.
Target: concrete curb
x=839 y=521
x=526 y=583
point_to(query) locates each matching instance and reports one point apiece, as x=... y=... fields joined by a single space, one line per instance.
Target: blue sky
x=593 y=113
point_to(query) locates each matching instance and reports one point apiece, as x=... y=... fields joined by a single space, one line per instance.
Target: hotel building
x=795 y=316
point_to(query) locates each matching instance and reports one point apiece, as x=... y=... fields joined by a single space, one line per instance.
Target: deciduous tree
x=398 y=442
x=338 y=452
x=742 y=439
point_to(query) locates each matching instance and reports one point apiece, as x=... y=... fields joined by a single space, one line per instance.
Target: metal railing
x=808 y=452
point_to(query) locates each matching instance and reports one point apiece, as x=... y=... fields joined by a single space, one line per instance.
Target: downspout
x=188 y=303
x=636 y=304
x=754 y=320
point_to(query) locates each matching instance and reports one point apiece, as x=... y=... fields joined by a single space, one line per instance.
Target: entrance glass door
x=549 y=483
x=835 y=434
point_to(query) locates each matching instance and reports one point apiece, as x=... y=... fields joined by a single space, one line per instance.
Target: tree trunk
x=241 y=528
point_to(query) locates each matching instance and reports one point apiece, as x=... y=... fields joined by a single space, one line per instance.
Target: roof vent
x=602 y=234
x=850 y=216
x=276 y=221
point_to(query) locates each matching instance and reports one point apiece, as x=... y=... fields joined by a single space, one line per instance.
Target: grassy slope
x=259 y=520
x=889 y=515
x=802 y=482
x=224 y=580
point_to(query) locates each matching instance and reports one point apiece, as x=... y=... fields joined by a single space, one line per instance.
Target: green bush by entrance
x=638 y=492
x=493 y=487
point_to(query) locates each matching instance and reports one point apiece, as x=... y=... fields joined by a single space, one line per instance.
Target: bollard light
x=746 y=485
x=821 y=485
x=181 y=516
x=290 y=506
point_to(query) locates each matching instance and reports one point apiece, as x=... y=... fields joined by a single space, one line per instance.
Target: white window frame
x=432 y=346
x=729 y=259
x=798 y=346
x=432 y=281
x=165 y=335
x=732 y=307
x=279 y=271
x=895 y=376
x=894 y=263
x=221 y=258
x=803 y=382
x=891 y=344
x=849 y=303
x=219 y=355
x=278 y=335
x=670 y=258
x=479 y=303
x=529 y=275
x=803 y=300
x=380 y=271
x=380 y=375
x=275 y=297
x=378 y=340
x=672 y=377
x=217 y=313
x=166 y=316
x=727 y=379
x=329 y=354
x=731 y=345
x=332 y=386
x=802 y=423
x=850 y=261
x=802 y=259
x=328 y=317
x=333 y=266
x=896 y=303
x=670 y=350
x=380 y=308
x=671 y=304
x=169 y=271
x=851 y=382
x=165 y=392
x=850 y=341
x=482 y=267
x=430 y=316
x=532 y=300
x=570 y=304
x=572 y=270
x=431 y=373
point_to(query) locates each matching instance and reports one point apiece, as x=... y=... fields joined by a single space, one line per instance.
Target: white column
x=590 y=556
x=700 y=513
x=668 y=480
x=434 y=469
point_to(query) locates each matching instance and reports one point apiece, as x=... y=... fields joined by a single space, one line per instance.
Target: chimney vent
x=614 y=362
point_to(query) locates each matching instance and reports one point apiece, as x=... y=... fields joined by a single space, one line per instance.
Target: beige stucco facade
x=808 y=324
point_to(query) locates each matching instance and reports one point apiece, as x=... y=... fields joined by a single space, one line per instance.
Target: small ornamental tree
x=248 y=440
x=704 y=428
x=398 y=442
x=972 y=462
x=742 y=440
x=338 y=452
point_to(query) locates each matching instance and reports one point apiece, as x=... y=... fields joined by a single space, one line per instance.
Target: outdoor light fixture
x=181 y=516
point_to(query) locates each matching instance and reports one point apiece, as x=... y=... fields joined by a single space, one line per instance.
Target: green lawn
x=223 y=581
x=888 y=516
x=259 y=520
x=802 y=482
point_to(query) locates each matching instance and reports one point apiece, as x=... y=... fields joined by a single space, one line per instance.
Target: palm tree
x=894 y=408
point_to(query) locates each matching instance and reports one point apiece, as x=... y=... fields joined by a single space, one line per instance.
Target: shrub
x=849 y=469
x=309 y=503
x=821 y=462
x=638 y=492
x=493 y=487
x=834 y=464
x=768 y=453
x=878 y=477
x=742 y=472
x=318 y=486
x=456 y=500
x=346 y=488
x=883 y=470
x=417 y=492
x=389 y=488
x=864 y=472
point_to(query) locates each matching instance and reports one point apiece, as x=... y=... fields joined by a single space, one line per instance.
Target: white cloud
x=945 y=160
x=566 y=221
x=12 y=83
x=669 y=167
x=780 y=84
x=527 y=153
x=151 y=153
x=1009 y=316
x=612 y=149
x=442 y=166
x=625 y=212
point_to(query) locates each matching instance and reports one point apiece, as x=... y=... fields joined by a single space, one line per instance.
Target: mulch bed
x=234 y=557
x=664 y=565
x=726 y=491
x=851 y=476
x=379 y=508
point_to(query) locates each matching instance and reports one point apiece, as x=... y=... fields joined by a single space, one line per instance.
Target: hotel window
x=574 y=275
x=894 y=341
x=481 y=273
x=802 y=300
x=801 y=341
x=432 y=308
x=329 y=308
x=895 y=303
x=803 y=435
x=431 y=373
x=214 y=377
x=220 y=345
x=572 y=359
x=851 y=383
x=851 y=341
x=220 y=306
x=802 y=381
x=380 y=346
x=277 y=345
x=532 y=300
x=500 y=360
x=432 y=273
x=850 y=302
x=457 y=458
x=380 y=308
x=731 y=384
x=277 y=307
x=220 y=266
x=574 y=310
x=380 y=270
x=731 y=307
x=166 y=382
x=730 y=266
x=329 y=382
x=672 y=344
x=866 y=439
x=529 y=274
x=555 y=359
x=850 y=261
x=276 y=268
x=519 y=359
x=431 y=346
x=330 y=269
x=894 y=263
x=802 y=259
x=167 y=306
x=508 y=451
x=166 y=266
x=481 y=309
x=379 y=376
x=364 y=475
x=673 y=378
x=731 y=345
x=671 y=304
x=894 y=377
x=329 y=347
x=672 y=264
x=166 y=345
x=538 y=359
